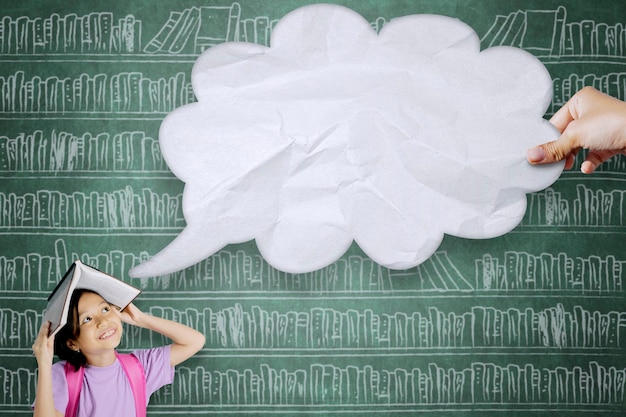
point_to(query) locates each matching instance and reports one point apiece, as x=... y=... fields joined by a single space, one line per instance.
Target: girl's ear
x=71 y=343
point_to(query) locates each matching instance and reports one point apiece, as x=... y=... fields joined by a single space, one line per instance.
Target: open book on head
x=81 y=276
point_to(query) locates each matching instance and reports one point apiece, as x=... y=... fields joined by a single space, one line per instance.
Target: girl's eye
x=106 y=309
x=86 y=320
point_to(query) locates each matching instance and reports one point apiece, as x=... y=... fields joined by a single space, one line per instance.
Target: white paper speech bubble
x=337 y=134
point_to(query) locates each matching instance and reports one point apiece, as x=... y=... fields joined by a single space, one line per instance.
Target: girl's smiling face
x=100 y=328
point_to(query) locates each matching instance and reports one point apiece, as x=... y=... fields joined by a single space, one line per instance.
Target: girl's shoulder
x=58 y=373
x=59 y=370
x=59 y=366
x=156 y=364
x=145 y=355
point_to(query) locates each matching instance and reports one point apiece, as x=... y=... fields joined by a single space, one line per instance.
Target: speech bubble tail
x=189 y=248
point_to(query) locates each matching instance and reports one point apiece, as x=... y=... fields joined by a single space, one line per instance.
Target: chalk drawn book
x=81 y=276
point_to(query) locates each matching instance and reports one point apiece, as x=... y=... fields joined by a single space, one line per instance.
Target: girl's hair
x=71 y=331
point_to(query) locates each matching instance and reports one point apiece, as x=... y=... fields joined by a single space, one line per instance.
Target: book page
x=56 y=309
x=113 y=290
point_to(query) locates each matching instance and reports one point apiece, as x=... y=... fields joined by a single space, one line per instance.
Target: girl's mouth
x=107 y=334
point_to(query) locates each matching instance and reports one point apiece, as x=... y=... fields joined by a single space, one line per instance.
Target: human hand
x=43 y=347
x=589 y=120
x=131 y=315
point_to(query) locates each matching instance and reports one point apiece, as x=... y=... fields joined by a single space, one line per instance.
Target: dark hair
x=71 y=331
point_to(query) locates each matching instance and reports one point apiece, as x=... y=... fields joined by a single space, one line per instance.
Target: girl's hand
x=43 y=348
x=131 y=315
x=589 y=120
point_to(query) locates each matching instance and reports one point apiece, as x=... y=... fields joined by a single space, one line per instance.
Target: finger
x=130 y=310
x=563 y=116
x=594 y=159
x=553 y=151
x=577 y=106
x=569 y=161
x=44 y=329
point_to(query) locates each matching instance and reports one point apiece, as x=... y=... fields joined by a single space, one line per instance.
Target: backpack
x=133 y=370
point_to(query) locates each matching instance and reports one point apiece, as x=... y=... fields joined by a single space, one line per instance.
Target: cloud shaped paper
x=336 y=134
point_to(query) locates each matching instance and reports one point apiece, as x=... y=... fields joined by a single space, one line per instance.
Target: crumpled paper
x=337 y=134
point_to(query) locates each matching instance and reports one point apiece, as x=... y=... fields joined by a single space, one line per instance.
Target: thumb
x=553 y=151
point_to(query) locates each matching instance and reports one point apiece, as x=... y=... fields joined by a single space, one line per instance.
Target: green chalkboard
x=528 y=324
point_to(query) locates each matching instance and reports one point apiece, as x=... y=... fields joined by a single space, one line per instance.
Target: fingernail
x=536 y=154
x=587 y=167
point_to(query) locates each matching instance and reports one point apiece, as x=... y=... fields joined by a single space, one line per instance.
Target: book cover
x=81 y=276
x=156 y=44
x=187 y=32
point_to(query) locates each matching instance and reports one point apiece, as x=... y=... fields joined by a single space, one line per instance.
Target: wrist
x=142 y=320
x=44 y=366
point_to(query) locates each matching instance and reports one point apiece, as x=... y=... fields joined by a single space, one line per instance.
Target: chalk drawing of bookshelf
x=234 y=270
x=522 y=271
x=196 y=29
x=430 y=384
x=193 y=30
x=98 y=152
x=93 y=33
x=318 y=385
x=126 y=92
x=588 y=207
x=123 y=209
x=188 y=31
x=585 y=39
x=327 y=329
x=613 y=84
x=320 y=328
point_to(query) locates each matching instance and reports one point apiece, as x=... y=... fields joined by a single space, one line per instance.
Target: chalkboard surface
x=531 y=323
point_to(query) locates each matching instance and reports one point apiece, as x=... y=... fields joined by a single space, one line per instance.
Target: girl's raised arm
x=186 y=341
x=43 y=349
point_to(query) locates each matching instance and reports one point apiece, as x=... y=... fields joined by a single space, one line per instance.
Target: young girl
x=89 y=340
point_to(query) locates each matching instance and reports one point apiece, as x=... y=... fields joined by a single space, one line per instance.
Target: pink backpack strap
x=134 y=372
x=137 y=377
x=74 y=384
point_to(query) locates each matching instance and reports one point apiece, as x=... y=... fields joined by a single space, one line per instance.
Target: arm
x=43 y=349
x=186 y=341
x=590 y=120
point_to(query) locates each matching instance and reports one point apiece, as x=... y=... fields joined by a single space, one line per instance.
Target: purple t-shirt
x=106 y=390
